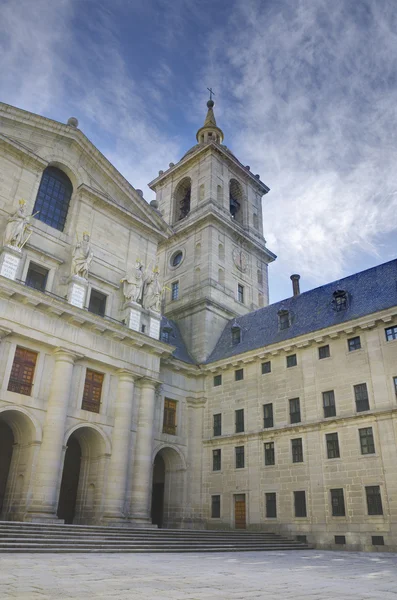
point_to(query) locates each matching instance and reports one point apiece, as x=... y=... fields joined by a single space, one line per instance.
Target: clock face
x=240 y=259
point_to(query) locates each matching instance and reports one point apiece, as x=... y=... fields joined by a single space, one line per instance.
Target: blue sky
x=306 y=94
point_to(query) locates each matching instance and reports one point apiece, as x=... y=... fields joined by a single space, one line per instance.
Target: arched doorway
x=18 y=434
x=82 y=476
x=6 y=448
x=168 y=488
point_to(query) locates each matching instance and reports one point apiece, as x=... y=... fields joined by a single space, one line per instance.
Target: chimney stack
x=295 y=284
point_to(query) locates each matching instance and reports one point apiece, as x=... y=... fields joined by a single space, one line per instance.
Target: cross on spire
x=211 y=93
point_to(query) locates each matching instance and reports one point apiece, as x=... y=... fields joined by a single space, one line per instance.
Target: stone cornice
x=23 y=151
x=314 y=337
x=300 y=428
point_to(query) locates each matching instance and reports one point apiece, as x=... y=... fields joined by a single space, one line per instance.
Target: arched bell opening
x=236 y=201
x=182 y=197
x=168 y=488
x=82 y=480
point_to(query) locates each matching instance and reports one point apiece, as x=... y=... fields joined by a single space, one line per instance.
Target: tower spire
x=210 y=132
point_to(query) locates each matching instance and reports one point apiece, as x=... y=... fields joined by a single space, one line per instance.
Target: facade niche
x=182 y=198
x=236 y=200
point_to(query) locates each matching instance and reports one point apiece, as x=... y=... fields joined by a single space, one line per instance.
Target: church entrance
x=6 y=448
x=70 y=481
x=168 y=487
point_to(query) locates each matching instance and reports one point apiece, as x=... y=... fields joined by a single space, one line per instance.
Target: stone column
x=194 y=512
x=142 y=473
x=44 y=504
x=116 y=488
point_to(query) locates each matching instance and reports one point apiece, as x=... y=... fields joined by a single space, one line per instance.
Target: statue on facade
x=133 y=283
x=153 y=292
x=17 y=231
x=82 y=257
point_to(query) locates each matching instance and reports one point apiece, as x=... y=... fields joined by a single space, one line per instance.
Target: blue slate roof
x=367 y=292
x=175 y=339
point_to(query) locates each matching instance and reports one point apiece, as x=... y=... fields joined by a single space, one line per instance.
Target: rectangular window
x=378 y=540
x=300 y=504
x=361 y=397
x=323 y=352
x=267 y=415
x=218 y=424
x=367 y=441
x=169 y=418
x=92 y=391
x=239 y=420
x=340 y=539
x=297 y=450
x=175 y=290
x=271 y=505
x=291 y=360
x=215 y=507
x=374 y=500
x=329 y=404
x=391 y=333
x=266 y=367
x=216 y=460
x=239 y=450
x=294 y=410
x=332 y=445
x=239 y=374
x=22 y=372
x=217 y=380
x=354 y=343
x=240 y=293
x=269 y=453
x=395 y=385
x=97 y=304
x=236 y=336
x=36 y=277
x=283 y=320
x=337 y=503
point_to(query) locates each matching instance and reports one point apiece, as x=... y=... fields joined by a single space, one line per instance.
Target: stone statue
x=82 y=257
x=133 y=283
x=17 y=229
x=153 y=292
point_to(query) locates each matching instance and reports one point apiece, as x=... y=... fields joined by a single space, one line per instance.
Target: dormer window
x=236 y=335
x=283 y=319
x=166 y=334
x=339 y=301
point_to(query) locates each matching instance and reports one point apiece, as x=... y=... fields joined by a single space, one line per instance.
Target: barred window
x=268 y=415
x=216 y=460
x=92 y=391
x=323 y=352
x=218 y=424
x=175 y=290
x=239 y=420
x=266 y=367
x=361 y=397
x=271 y=505
x=354 y=343
x=269 y=453
x=374 y=500
x=22 y=371
x=169 y=417
x=391 y=333
x=300 y=504
x=53 y=197
x=337 y=503
x=297 y=450
x=332 y=445
x=329 y=404
x=294 y=410
x=239 y=452
x=215 y=507
x=367 y=440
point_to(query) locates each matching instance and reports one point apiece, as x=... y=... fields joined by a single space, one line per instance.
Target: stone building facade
x=145 y=380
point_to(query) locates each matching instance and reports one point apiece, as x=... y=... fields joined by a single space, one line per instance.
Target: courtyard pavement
x=302 y=575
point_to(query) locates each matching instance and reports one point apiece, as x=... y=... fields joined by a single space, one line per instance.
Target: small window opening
x=97 y=304
x=283 y=319
x=36 y=277
x=236 y=335
x=339 y=301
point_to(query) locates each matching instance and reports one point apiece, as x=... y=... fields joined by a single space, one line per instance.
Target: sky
x=306 y=94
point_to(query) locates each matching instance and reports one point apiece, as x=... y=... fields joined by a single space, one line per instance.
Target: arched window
x=221 y=277
x=182 y=198
x=53 y=197
x=236 y=200
x=221 y=252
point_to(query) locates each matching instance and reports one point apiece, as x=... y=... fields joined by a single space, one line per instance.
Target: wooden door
x=239 y=511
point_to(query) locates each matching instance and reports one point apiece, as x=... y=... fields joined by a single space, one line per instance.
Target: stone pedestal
x=77 y=291
x=133 y=314
x=154 y=327
x=10 y=259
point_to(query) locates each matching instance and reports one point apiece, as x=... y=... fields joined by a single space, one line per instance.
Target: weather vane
x=211 y=93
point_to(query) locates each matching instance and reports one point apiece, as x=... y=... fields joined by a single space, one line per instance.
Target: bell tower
x=215 y=264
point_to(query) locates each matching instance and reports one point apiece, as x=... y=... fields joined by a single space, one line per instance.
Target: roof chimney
x=295 y=284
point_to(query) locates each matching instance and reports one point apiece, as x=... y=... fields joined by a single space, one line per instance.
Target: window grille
x=217 y=424
x=361 y=397
x=269 y=454
x=391 y=333
x=329 y=404
x=175 y=290
x=239 y=452
x=294 y=410
x=367 y=441
x=297 y=450
x=332 y=445
x=169 y=418
x=216 y=460
x=92 y=391
x=53 y=198
x=22 y=371
x=337 y=503
x=374 y=500
x=267 y=416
